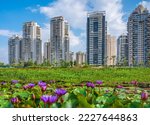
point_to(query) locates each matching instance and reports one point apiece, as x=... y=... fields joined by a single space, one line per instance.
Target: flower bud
x=33 y=96
x=14 y=100
x=144 y=95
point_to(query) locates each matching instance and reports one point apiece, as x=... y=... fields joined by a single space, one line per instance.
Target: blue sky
x=13 y=13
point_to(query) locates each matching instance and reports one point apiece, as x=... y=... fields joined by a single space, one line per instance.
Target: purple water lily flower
x=14 y=100
x=45 y=98
x=3 y=83
x=90 y=84
x=60 y=92
x=119 y=86
x=25 y=87
x=99 y=82
x=14 y=81
x=43 y=88
x=144 y=95
x=52 y=99
x=31 y=85
x=41 y=83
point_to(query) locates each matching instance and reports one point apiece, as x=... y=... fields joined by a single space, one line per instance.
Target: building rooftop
x=15 y=36
x=96 y=13
x=58 y=17
x=140 y=9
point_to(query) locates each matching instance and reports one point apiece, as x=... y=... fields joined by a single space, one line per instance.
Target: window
x=95 y=42
x=95 y=27
x=95 y=58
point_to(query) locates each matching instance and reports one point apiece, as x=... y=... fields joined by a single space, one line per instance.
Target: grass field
x=76 y=75
x=69 y=88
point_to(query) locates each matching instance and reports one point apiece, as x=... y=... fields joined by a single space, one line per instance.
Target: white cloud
x=33 y=10
x=114 y=15
x=4 y=49
x=8 y=33
x=45 y=32
x=75 y=11
x=74 y=40
x=146 y=4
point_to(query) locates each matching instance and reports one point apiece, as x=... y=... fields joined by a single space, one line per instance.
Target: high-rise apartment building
x=111 y=50
x=71 y=56
x=80 y=58
x=32 y=43
x=14 y=49
x=47 y=51
x=147 y=41
x=138 y=36
x=122 y=50
x=96 y=38
x=59 y=36
x=66 y=41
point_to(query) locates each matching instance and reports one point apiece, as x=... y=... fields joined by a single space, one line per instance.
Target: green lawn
x=76 y=75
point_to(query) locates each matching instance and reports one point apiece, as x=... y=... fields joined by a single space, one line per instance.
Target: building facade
x=147 y=41
x=96 y=38
x=71 y=56
x=32 y=43
x=138 y=36
x=47 y=51
x=111 y=50
x=80 y=58
x=122 y=50
x=59 y=36
x=14 y=49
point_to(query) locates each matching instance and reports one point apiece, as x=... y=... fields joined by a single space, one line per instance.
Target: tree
x=44 y=62
x=125 y=61
x=71 y=63
x=28 y=63
x=105 y=60
x=148 y=60
x=20 y=62
x=1 y=64
x=64 y=64
x=75 y=63
x=141 y=63
x=113 y=58
x=134 y=61
x=35 y=63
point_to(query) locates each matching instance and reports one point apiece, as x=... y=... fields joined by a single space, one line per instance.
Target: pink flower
x=144 y=95
x=99 y=82
x=119 y=86
x=43 y=88
x=134 y=82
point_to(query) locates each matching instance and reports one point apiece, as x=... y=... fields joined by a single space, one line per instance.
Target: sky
x=13 y=13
